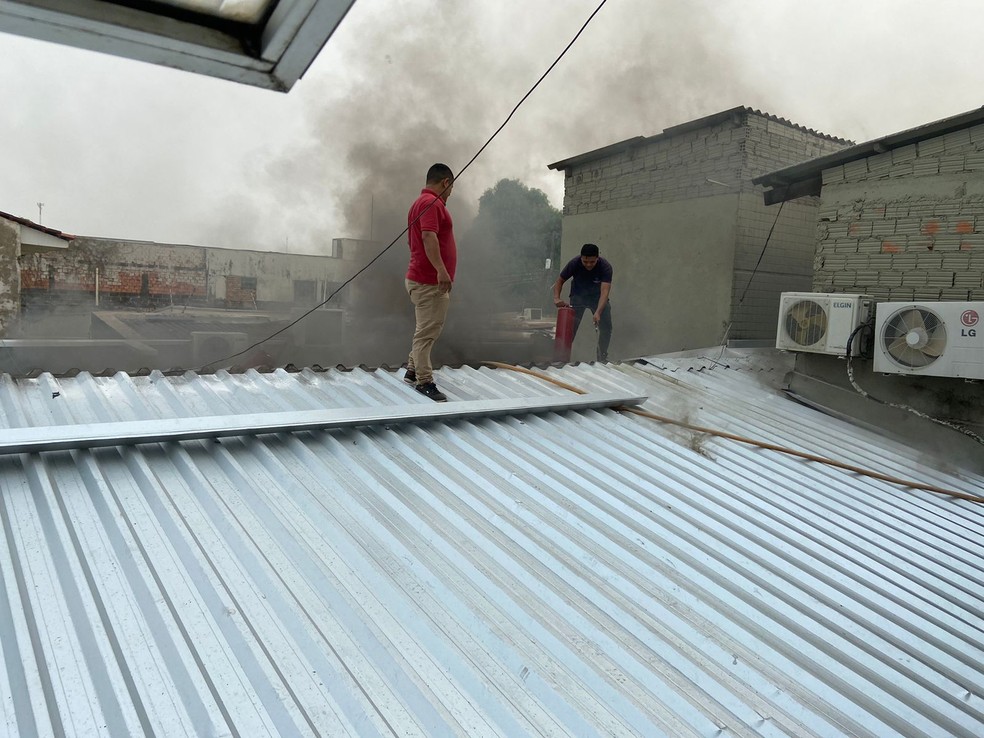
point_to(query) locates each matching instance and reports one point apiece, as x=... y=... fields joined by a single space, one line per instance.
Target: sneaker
x=410 y=377
x=429 y=389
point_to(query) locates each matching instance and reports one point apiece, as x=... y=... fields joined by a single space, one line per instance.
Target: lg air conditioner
x=936 y=339
x=821 y=322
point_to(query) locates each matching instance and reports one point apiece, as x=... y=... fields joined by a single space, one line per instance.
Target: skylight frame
x=273 y=54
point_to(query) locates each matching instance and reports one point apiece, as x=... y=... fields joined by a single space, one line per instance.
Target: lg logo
x=969 y=318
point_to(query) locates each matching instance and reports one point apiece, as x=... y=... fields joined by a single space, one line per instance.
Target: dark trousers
x=604 y=325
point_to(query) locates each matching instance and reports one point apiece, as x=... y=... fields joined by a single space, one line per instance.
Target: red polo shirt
x=437 y=219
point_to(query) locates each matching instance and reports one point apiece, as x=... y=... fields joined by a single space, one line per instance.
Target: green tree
x=515 y=232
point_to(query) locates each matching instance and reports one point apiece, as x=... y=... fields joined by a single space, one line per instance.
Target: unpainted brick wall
x=786 y=261
x=783 y=239
x=907 y=224
x=239 y=295
x=173 y=271
x=664 y=170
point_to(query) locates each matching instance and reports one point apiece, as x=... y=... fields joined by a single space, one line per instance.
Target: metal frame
x=128 y=433
x=289 y=41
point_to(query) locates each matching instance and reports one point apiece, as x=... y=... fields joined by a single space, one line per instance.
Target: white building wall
x=275 y=273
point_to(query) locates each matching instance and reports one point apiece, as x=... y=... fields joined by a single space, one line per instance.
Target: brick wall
x=786 y=264
x=907 y=224
x=126 y=270
x=787 y=261
x=664 y=170
x=240 y=291
x=677 y=167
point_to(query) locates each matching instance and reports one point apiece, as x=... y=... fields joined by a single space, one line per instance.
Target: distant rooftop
x=37 y=226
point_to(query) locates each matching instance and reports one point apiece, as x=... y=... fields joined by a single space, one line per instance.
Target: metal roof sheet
x=570 y=574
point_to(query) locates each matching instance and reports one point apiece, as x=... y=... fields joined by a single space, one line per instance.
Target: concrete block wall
x=666 y=169
x=907 y=224
x=670 y=170
x=787 y=261
x=774 y=144
x=9 y=277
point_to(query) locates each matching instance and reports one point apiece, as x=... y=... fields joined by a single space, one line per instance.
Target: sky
x=116 y=148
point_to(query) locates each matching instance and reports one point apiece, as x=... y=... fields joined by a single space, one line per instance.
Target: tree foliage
x=515 y=232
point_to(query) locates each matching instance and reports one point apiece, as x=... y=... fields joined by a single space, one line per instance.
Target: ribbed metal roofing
x=570 y=574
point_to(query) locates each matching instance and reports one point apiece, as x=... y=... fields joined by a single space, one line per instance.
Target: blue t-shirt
x=586 y=283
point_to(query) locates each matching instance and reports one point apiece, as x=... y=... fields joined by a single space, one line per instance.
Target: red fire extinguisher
x=564 y=335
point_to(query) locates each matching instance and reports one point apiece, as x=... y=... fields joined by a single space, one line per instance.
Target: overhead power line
x=404 y=231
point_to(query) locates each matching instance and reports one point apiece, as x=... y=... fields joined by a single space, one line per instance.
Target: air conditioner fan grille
x=914 y=337
x=806 y=322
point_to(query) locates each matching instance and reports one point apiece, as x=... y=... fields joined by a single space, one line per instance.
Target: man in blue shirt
x=591 y=283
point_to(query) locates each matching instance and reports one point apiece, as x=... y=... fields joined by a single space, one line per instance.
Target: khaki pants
x=430 y=308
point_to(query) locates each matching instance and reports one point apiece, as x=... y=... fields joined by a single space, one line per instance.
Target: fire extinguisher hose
x=751 y=441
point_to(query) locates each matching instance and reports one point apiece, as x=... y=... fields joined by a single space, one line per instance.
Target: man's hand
x=559 y=303
x=443 y=280
x=597 y=317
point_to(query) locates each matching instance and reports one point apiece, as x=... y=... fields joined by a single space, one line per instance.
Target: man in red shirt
x=433 y=258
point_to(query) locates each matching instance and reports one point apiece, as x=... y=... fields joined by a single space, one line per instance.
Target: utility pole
x=40 y=205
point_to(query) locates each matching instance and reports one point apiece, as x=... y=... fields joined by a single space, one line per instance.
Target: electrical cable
x=850 y=377
x=727 y=330
x=750 y=441
x=409 y=225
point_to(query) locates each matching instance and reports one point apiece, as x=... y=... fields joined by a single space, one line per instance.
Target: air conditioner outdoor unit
x=532 y=313
x=821 y=322
x=216 y=346
x=936 y=339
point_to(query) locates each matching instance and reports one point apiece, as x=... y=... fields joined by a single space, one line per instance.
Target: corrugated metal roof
x=572 y=574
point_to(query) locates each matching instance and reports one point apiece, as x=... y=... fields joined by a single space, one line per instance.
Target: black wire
x=761 y=254
x=409 y=225
x=855 y=332
x=741 y=300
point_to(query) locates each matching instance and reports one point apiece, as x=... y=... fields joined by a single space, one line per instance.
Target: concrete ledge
x=822 y=383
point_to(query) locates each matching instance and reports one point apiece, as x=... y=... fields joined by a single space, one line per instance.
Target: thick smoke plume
x=428 y=83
